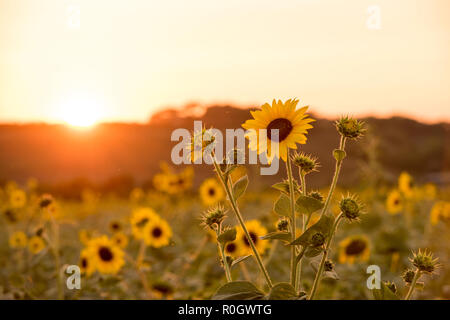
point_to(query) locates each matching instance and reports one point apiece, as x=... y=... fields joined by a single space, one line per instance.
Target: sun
x=80 y=112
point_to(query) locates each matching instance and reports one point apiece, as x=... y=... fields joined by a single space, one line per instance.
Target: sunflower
x=139 y=219
x=107 y=257
x=17 y=199
x=394 y=202
x=292 y=126
x=115 y=226
x=354 y=248
x=256 y=230
x=157 y=233
x=440 y=212
x=120 y=239
x=36 y=244
x=405 y=184
x=211 y=192
x=233 y=249
x=18 y=240
x=86 y=264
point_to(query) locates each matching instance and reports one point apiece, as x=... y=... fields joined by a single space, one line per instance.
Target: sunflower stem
x=226 y=266
x=324 y=257
x=293 y=220
x=335 y=178
x=413 y=284
x=304 y=223
x=235 y=208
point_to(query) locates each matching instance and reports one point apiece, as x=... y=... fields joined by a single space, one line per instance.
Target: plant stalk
x=324 y=257
x=413 y=284
x=241 y=222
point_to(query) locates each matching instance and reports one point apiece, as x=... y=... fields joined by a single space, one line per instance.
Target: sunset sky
x=121 y=60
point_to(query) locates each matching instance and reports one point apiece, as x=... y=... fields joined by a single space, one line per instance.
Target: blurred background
x=91 y=90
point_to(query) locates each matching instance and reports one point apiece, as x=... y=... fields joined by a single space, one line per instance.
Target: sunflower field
x=221 y=239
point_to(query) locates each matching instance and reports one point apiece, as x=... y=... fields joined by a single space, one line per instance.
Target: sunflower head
x=354 y=248
x=394 y=202
x=279 y=124
x=329 y=265
x=211 y=192
x=157 y=233
x=106 y=256
x=232 y=249
x=255 y=230
x=214 y=217
x=306 y=163
x=318 y=239
x=283 y=224
x=316 y=195
x=424 y=261
x=350 y=127
x=351 y=209
x=408 y=276
x=36 y=244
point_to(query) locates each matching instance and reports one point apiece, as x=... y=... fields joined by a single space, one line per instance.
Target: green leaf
x=238 y=290
x=277 y=235
x=240 y=259
x=227 y=235
x=384 y=293
x=323 y=226
x=240 y=186
x=282 y=291
x=338 y=154
x=308 y=205
x=282 y=186
x=283 y=206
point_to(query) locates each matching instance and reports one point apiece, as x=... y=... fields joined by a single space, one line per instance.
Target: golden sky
x=120 y=60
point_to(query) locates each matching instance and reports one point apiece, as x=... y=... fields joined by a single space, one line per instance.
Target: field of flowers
x=176 y=240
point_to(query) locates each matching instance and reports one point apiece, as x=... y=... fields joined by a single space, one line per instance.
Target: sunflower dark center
x=231 y=247
x=211 y=192
x=105 y=254
x=84 y=262
x=157 y=232
x=396 y=201
x=254 y=238
x=115 y=226
x=355 y=247
x=284 y=127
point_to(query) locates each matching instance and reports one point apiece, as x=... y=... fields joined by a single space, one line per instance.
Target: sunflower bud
x=329 y=265
x=423 y=260
x=305 y=162
x=350 y=128
x=282 y=225
x=316 y=195
x=350 y=208
x=214 y=217
x=317 y=239
x=408 y=275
